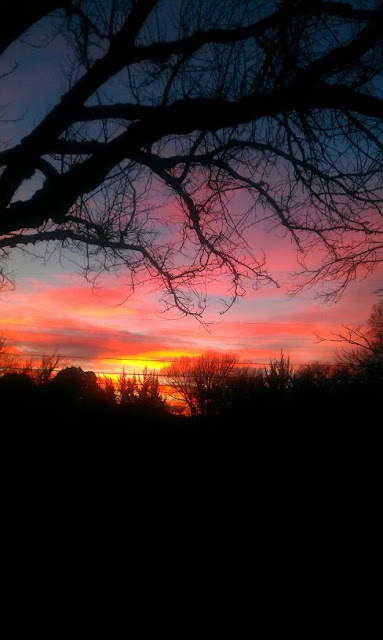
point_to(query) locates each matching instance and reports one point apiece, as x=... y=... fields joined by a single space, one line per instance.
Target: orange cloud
x=93 y=329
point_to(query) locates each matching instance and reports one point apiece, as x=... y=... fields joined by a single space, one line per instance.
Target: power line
x=117 y=359
x=244 y=322
x=288 y=324
x=182 y=375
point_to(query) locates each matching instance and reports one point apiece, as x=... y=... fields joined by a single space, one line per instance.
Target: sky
x=54 y=310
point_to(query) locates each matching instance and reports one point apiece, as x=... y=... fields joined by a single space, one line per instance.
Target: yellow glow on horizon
x=153 y=361
x=94 y=312
x=12 y=321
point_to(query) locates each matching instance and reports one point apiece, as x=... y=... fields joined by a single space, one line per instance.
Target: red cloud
x=96 y=331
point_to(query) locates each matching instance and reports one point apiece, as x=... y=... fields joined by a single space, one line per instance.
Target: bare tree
x=362 y=351
x=202 y=382
x=182 y=387
x=7 y=356
x=43 y=371
x=3 y=345
x=187 y=123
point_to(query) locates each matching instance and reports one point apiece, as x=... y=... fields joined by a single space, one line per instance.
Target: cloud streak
x=92 y=329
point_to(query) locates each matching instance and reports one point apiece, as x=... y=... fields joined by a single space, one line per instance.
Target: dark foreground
x=267 y=438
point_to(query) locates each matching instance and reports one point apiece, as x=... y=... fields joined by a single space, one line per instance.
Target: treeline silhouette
x=248 y=430
x=213 y=395
x=244 y=435
x=210 y=389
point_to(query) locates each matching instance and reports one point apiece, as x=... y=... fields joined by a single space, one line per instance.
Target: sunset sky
x=54 y=310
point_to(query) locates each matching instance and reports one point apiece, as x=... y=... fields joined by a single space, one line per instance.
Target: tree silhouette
x=74 y=385
x=126 y=389
x=109 y=389
x=16 y=383
x=184 y=124
x=315 y=376
x=140 y=391
x=363 y=354
x=3 y=344
x=279 y=375
x=202 y=382
x=148 y=391
x=42 y=372
x=5 y=355
x=18 y=397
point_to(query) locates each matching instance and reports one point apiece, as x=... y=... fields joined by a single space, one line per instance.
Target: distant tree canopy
x=213 y=388
x=72 y=384
x=185 y=124
x=4 y=354
x=19 y=384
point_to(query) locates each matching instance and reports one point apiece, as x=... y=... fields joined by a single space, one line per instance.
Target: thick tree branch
x=62 y=115
x=283 y=102
x=17 y=17
x=161 y=52
x=183 y=117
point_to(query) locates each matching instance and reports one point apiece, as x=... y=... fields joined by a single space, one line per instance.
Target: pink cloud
x=62 y=314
